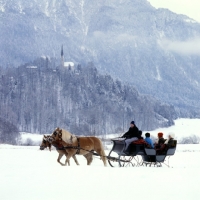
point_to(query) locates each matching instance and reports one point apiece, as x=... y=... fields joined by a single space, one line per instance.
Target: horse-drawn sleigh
x=138 y=155
x=70 y=145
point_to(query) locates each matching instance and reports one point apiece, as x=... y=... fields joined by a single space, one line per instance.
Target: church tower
x=63 y=64
x=62 y=57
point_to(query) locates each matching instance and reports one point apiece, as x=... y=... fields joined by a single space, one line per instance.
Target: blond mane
x=67 y=136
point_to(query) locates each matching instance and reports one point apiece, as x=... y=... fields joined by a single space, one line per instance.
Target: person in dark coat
x=160 y=141
x=132 y=132
x=131 y=135
x=140 y=134
x=170 y=141
x=167 y=144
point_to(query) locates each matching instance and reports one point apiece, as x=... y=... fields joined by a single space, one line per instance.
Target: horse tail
x=99 y=148
x=103 y=154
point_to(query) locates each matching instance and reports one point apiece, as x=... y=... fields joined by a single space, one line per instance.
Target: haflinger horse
x=79 y=145
x=48 y=141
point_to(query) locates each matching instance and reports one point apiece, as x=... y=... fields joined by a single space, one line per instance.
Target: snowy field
x=30 y=174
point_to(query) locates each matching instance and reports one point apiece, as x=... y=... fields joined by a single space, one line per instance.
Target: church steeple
x=62 y=57
x=62 y=51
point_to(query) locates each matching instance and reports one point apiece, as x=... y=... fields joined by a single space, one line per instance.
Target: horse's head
x=57 y=134
x=63 y=136
x=46 y=142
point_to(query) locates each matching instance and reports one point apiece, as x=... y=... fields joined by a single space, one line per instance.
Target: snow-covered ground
x=30 y=174
x=26 y=173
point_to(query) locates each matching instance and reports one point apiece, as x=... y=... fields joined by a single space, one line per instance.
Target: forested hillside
x=38 y=97
x=9 y=133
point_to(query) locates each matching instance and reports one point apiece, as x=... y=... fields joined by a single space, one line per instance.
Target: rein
x=80 y=148
x=74 y=147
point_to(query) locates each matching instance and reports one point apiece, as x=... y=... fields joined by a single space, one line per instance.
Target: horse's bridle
x=46 y=139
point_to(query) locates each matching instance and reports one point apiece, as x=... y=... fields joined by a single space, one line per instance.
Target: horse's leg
x=68 y=156
x=59 y=157
x=89 y=158
x=104 y=160
x=102 y=155
x=67 y=161
x=75 y=159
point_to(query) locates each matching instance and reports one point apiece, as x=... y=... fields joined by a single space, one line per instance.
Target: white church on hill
x=69 y=65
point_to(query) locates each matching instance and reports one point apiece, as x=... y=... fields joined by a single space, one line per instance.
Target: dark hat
x=147 y=134
x=133 y=122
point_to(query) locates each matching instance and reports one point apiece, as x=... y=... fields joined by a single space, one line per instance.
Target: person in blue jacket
x=149 y=140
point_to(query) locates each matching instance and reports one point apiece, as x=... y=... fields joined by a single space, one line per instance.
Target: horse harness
x=75 y=147
x=61 y=147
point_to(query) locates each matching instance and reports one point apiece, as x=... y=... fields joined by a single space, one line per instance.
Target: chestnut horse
x=79 y=145
x=48 y=141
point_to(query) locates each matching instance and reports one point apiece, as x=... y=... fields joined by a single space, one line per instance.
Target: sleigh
x=137 y=155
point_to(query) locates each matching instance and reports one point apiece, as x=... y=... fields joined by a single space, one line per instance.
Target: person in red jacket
x=160 y=141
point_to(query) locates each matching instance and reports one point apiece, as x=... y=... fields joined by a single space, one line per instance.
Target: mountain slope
x=155 y=50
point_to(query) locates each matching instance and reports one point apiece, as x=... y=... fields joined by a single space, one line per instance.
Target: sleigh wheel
x=126 y=161
x=113 y=159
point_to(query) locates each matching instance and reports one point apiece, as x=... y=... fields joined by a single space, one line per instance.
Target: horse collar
x=78 y=147
x=58 y=146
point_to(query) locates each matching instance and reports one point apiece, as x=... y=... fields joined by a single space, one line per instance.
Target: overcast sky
x=191 y=8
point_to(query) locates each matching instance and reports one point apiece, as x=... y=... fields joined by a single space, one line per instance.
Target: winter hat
x=160 y=134
x=133 y=122
x=147 y=134
x=172 y=135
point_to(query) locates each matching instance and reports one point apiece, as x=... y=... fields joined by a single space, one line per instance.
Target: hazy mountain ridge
x=153 y=49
